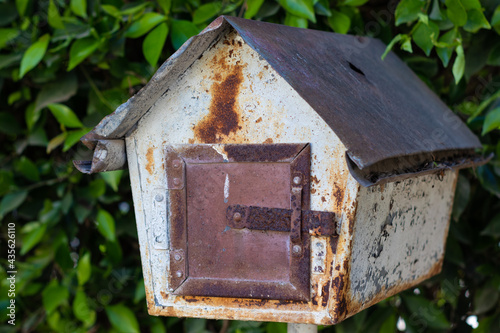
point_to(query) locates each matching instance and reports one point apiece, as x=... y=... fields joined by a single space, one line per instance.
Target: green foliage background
x=64 y=65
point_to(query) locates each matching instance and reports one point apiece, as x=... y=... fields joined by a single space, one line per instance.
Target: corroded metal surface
x=216 y=260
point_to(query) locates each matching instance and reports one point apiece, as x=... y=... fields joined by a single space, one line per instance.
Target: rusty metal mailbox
x=283 y=174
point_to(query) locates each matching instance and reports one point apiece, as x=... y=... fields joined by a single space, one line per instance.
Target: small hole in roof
x=356 y=69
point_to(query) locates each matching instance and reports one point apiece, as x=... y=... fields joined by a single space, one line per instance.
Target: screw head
x=159 y=197
x=178 y=274
x=177 y=181
x=296 y=249
x=177 y=257
x=237 y=217
x=176 y=164
x=297 y=180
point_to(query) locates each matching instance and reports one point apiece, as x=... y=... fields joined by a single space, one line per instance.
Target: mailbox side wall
x=231 y=95
x=398 y=239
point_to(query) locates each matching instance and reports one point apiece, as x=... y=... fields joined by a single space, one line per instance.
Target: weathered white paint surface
x=268 y=111
x=399 y=235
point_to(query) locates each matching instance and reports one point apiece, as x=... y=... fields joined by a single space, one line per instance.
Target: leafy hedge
x=64 y=65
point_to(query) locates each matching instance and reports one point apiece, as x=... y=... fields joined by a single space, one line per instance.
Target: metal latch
x=315 y=223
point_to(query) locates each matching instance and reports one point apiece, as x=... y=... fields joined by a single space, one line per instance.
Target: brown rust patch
x=150 y=165
x=163 y=294
x=223 y=118
x=268 y=141
x=258 y=120
x=338 y=193
x=325 y=293
x=314 y=179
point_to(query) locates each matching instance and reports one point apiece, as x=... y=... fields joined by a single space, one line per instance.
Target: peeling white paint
x=226 y=188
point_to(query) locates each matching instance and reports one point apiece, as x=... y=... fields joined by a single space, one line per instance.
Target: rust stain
x=150 y=165
x=163 y=294
x=258 y=120
x=325 y=292
x=268 y=140
x=223 y=118
x=314 y=179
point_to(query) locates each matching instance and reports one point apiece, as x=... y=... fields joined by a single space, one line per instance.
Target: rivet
x=178 y=274
x=177 y=181
x=297 y=180
x=237 y=217
x=296 y=249
x=159 y=197
x=176 y=163
x=177 y=257
x=319 y=245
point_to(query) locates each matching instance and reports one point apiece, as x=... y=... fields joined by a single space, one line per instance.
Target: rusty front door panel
x=239 y=220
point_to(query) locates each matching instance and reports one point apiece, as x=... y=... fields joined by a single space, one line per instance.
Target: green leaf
x=146 y=23
x=58 y=91
x=153 y=44
x=122 y=318
x=84 y=269
x=21 y=6
x=6 y=35
x=339 y=22
x=495 y=20
x=406 y=43
x=135 y=8
x=54 y=18
x=106 y=224
x=389 y=325
x=354 y=3
x=446 y=52
x=408 y=10
x=485 y=299
x=80 y=50
x=476 y=21
x=165 y=5
x=253 y=7
x=389 y=47
x=112 y=178
x=53 y=296
x=33 y=236
x=81 y=309
x=34 y=54
x=493 y=228
x=462 y=195
x=112 y=11
x=73 y=137
x=79 y=7
x=206 y=12
x=492 y=121
x=181 y=32
x=27 y=168
x=471 y=4
x=459 y=64
x=426 y=312
x=436 y=11
x=494 y=56
x=456 y=12
x=64 y=115
x=424 y=35
x=295 y=21
x=11 y=201
x=140 y=292
x=301 y=8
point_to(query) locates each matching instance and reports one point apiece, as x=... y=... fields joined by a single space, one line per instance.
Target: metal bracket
x=160 y=230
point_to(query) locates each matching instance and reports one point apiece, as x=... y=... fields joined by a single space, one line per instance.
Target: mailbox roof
x=386 y=117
